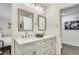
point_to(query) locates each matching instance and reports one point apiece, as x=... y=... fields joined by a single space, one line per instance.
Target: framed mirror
x=25 y=20
x=41 y=23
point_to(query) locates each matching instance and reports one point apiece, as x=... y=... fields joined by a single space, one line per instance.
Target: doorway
x=69 y=18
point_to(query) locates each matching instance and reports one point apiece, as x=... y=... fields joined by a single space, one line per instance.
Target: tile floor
x=6 y=52
x=69 y=50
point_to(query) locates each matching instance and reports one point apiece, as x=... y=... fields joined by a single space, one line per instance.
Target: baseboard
x=69 y=43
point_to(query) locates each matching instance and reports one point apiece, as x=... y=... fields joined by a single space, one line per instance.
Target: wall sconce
x=9 y=24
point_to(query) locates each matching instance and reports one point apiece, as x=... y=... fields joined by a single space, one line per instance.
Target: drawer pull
x=51 y=44
x=34 y=52
x=44 y=41
x=44 y=47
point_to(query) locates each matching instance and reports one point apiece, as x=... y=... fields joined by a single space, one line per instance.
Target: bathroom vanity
x=39 y=43
x=36 y=46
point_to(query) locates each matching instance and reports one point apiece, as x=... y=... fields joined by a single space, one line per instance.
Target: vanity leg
x=10 y=50
x=2 y=48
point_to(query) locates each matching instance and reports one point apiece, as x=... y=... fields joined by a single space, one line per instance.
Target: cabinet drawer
x=30 y=52
x=31 y=45
x=44 y=47
x=47 y=52
x=50 y=40
x=44 y=52
x=45 y=42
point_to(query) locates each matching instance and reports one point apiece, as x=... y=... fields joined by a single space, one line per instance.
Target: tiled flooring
x=70 y=50
x=6 y=52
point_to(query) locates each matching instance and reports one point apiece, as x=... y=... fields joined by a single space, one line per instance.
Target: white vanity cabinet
x=47 y=47
x=39 y=47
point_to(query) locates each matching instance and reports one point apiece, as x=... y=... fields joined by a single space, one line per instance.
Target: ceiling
x=5 y=9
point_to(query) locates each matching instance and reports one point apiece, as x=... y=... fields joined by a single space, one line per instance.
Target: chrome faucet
x=26 y=34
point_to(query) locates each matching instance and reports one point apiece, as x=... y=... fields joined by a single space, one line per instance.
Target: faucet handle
x=26 y=34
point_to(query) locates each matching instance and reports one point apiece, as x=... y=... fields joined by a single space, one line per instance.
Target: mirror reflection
x=25 y=20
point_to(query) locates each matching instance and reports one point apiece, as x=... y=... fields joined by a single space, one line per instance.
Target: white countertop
x=7 y=40
x=32 y=39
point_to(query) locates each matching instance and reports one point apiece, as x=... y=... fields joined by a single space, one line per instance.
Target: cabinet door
x=18 y=49
x=45 y=48
x=30 y=49
x=53 y=46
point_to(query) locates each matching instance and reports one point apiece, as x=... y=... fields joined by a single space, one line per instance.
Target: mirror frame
x=19 y=13
x=39 y=23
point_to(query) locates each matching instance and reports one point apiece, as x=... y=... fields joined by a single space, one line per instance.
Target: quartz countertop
x=22 y=41
x=7 y=40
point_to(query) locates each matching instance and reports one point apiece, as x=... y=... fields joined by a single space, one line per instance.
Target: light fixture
x=30 y=5
x=37 y=7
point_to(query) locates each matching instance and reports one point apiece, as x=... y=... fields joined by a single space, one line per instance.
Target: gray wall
x=70 y=36
x=5 y=13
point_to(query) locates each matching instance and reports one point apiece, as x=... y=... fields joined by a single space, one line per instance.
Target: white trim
x=71 y=43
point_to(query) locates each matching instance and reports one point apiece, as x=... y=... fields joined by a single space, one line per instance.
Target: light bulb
x=37 y=8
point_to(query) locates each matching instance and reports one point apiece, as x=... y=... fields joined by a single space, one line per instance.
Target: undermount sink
x=39 y=35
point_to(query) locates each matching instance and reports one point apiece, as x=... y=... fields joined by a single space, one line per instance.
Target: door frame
x=60 y=11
